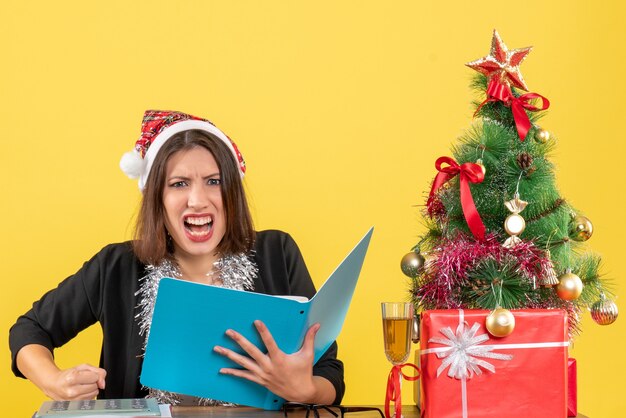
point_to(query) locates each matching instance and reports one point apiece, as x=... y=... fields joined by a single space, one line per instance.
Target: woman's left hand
x=289 y=376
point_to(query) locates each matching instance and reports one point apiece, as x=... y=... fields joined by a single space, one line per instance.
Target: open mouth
x=198 y=226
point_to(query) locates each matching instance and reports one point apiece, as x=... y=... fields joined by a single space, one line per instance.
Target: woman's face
x=194 y=214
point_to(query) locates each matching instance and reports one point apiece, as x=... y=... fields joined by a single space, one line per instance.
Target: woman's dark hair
x=150 y=244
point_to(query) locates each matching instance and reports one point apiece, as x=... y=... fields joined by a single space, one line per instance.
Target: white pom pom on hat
x=156 y=128
x=132 y=164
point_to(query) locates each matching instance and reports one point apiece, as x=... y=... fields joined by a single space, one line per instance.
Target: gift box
x=468 y=373
x=572 y=388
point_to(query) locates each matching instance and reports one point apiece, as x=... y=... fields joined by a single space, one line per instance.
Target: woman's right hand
x=76 y=383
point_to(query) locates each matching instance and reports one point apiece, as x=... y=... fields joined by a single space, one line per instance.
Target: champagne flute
x=397 y=329
x=397 y=326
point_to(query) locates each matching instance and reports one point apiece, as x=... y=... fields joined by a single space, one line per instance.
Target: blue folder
x=189 y=319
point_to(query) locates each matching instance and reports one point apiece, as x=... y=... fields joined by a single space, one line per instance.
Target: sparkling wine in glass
x=397 y=327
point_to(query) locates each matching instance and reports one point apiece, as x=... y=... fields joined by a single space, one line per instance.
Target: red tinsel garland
x=455 y=257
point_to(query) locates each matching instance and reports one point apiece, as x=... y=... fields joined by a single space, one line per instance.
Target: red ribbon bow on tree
x=497 y=91
x=393 y=387
x=468 y=173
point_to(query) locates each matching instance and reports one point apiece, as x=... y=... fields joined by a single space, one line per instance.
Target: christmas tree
x=499 y=233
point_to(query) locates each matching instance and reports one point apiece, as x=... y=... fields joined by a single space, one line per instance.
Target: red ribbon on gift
x=468 y=173
x=393 y=387
x=497 y=91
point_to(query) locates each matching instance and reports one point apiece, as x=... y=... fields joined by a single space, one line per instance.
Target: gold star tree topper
x=502 y=63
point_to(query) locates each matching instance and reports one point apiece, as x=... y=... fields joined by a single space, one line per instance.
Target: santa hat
x=156 y=128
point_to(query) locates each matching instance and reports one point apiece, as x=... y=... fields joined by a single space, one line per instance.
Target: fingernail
x=217 y=349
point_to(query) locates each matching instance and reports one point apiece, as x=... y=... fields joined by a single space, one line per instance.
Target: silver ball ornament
x=412 y=264
x=604 y=312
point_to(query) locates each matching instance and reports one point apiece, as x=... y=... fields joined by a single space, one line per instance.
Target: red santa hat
x=156 y=128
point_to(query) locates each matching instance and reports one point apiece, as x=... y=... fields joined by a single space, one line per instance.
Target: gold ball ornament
x=542 y=136
x=514 y=224
x=412 y=264
x=570 y=286
x=604 y=312
x=500 y=322
x=479 y=163
x=581 y=229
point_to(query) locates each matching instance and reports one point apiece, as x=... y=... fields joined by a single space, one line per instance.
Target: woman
x=194 y=224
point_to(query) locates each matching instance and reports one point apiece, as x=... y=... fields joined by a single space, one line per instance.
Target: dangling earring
x=169 y=242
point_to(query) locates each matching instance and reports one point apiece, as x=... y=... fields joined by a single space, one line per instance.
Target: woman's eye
x=178 y=184
x=214 y=182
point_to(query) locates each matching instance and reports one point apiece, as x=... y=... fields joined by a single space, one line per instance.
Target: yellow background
x=340 y=109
